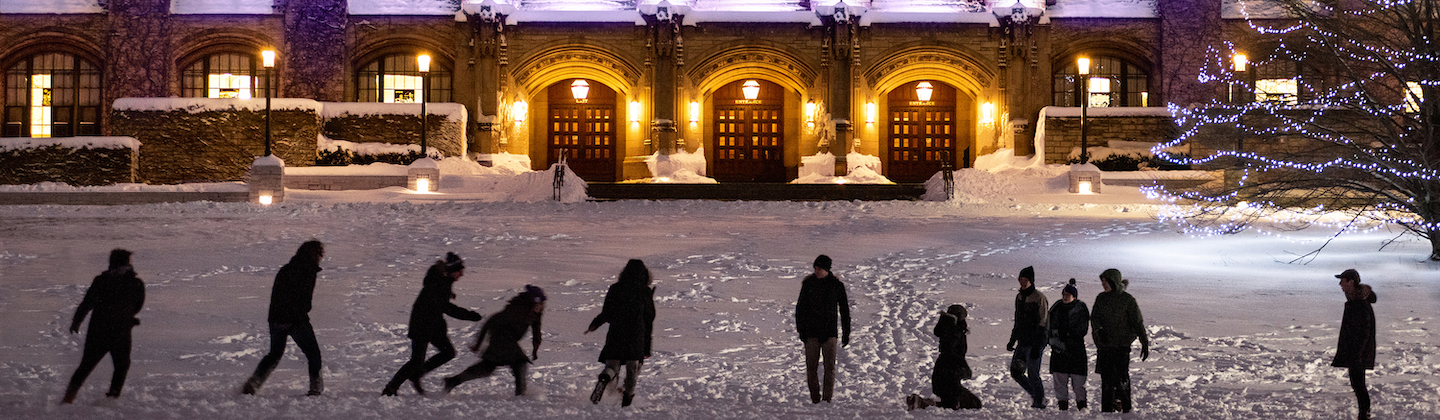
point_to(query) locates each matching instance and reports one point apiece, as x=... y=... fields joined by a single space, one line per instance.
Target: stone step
x=755 y=191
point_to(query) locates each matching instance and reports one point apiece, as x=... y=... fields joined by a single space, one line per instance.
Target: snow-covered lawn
x=1237 y=332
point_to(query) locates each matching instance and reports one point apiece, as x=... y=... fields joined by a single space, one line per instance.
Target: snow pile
x=270 y=160
x=528 y=187
x=450 y=110
x=820 y=169
x=1001 y=176
x=681 y=167
x=1005 y=159
x=63 y=187
x=198 y=105
x=402 y=7
x=506 y=163
x=222 y=7
x=23 y=143
x=50 y=6
x=367 y=148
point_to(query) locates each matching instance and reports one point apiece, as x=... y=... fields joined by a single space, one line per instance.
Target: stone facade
x=86 y=166
x=1062 y=134
x=178 y=146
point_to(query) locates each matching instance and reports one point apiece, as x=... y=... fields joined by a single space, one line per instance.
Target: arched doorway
x=749 y=132
x=923 y=131
x=582 y=127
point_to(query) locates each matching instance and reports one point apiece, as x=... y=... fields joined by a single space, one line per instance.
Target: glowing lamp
x=635 y=111
x=422 y=184
x=987 y=113
x=694 y=111
x=267 y=58
x=871 y=112
x=810 y=111
x=1083 y=64
x=519 y=111
x=580 y=89
x=923 y=90
x=1240 y=61
x=751 y=89
x=424 y=61
x=266 y=197
x=1084 y=187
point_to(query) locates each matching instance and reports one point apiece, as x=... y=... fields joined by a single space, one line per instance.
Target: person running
x=822 y=297
x=1115 y=324
x=1027 y=338
x=630 y=310
x=505 y=329
x=289 y=317
x=950 y=366
x=427 y=323
x=1356 y=349
x=115 y=296
x=1069 y=323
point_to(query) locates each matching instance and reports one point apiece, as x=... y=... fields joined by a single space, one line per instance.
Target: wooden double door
x=749 y=133
x=583 y=130
x=922 y=136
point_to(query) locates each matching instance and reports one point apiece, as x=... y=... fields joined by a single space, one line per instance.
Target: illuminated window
x=52 y=95
x=1283 y=81
x=224 y=75
x=1413 y=95
x=1112 y=82
x=396 y=78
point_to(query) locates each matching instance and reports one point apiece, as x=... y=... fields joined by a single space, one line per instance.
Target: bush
x=1121 y=163
x=342 y=157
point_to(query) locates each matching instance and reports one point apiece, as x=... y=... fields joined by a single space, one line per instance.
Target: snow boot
x=1062 y=405
x=415 y=383
x=626 y=400
x=1039 y=404
x=317 y=386
x=450 y=384
x=599 y=391
x=1079 y=404
x=911 y=402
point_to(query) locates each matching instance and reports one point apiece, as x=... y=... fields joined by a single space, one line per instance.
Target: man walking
x=822 y=300
x=1116 y=322
x=1028 y=337
x=115 y=296
x=290 y=317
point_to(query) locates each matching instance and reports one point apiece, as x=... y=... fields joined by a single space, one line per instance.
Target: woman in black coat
x=115 y=296
x=505 y=329
x=1356 y=349
x=950 y=366
x=1069 y=321
x=630 y=311
x=427 y=324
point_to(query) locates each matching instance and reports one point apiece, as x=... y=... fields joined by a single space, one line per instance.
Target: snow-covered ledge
x=424 y=175
x=267 y=180
x=1085 y=179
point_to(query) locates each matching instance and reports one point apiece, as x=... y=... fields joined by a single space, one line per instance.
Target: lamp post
x=1083 y=66
x=267 y=59
x=424 y=61
x=1242 y=94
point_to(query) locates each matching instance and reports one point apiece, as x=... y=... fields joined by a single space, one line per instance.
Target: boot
x=599 y=391
x=258 y=378
x=1079 y=404
x=911 y=402
x=415 y=383
x=1062 y=405
x=317 y=386
x=1039 y=403
x=626 y=400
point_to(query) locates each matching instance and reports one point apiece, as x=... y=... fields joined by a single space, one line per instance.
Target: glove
x=1010 y=346
x=845 y=341
x=1036 y=351
x=1144 y=351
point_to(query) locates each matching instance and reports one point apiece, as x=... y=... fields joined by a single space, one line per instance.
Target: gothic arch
x=223 y=40
x=537 y=71
x=752 y=62
x=950 y=65
x=402 y=44
x=51 y=40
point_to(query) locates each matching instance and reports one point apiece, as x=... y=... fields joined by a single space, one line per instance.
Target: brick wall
x=1063 y=133
x=84 y=166
x=178 y=146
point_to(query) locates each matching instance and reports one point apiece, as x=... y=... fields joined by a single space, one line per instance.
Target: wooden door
x=583 y=130
x=749 y=143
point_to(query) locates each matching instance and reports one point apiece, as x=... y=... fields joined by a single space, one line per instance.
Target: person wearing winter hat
x=1115 y=323
x=505 y=329
x=1356 y=349
x=630 y=310
x=950 y=366
x=822 y=297
x=427 y=323
x=115 y=296
x=1028 y=337
x=1069 y=323
x=290 y=301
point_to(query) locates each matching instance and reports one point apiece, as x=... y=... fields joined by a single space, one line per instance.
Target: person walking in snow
x=505 y=329
x=115 y=296
x=427 y=323
x=950 y=366
x=1069 y=322
x=1028 y=337
x=822 y=297
x=1115 y=324
x=1356 y=349
x=630 y=310
x=289 y=317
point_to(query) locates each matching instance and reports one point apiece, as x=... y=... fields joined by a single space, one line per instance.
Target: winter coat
x=294 y=289
x=1356 y=348
x=505 y=329
x=816 y=309
x=1031 y=318
x=950 y=366
x=630 y=311
x=427 y=315
x=115 y=296
x=1116 y=320
x=1069 y=322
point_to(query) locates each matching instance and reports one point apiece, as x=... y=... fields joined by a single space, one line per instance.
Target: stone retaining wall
x=178 y=146
x=444 y=134
x=55 y=163
x=1063 y=133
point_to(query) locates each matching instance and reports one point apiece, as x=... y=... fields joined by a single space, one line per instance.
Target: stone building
x=756 y=84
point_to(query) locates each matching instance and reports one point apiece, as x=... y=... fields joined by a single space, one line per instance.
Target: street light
x=1083 y=66
x=267 y=59
x=424 y=61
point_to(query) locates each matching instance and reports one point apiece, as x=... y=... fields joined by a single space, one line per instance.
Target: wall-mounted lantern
x=871 y=113
x=519 y=111
x=924 y=90
x=634 y=111
x=751 y=89
x=694 y=111
x=987 y=113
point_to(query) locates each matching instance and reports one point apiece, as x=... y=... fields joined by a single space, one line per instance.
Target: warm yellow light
x=870 y=112
x=1240 y=61
x=1084 y=65
x=635 y=111
x=267 y=58
x=519 y=111
x=694 y=111
x=1084 y=187
x=422 y=185
x=810 y=111
x=424 y=60
x=751 y=89
x=923 y=90
x=580 y=89
x=987 y=113
x=266 y=198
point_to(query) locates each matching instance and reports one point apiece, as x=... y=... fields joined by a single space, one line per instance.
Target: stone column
x=487 y=57
x=665 y=30
x=1188 y=28
x=314 y=54
x=138 y=60
x=844 y=48
x=267 y=179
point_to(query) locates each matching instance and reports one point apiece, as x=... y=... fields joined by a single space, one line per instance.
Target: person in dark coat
x=950 y=366
x=1028 y=337
x=427 y=323
x=1356 y=348
x=630 y=310
x=505 y=329
x=821 y=304
x=289 y=317
x=1115 y=323
x=115 y=296
x=1069 y=323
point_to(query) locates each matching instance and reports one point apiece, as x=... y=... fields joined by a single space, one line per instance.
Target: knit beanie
x=453 y=262
x=119 y=258
x=823 y=261
x=1028 y=272
x=535 y=293
x=957 y=310
x=1112 y=276
x=1071 y=290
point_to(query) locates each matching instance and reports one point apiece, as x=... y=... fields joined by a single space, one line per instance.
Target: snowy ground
x=1237 y=332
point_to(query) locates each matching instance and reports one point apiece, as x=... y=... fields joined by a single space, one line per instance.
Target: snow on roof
x=1253 y=9
x=23 y=143
x=197 y=105
x=918 y=17
x=1120 y=111
x=449 y=110
x=222 y=7
x=593 y=16
x=50 y=6
x=1102 y=9
x=807 y=17
x=398 y=7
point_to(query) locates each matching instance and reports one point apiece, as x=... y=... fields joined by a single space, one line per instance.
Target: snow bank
x=63 y=187
x=1127 y=148
x=20 y=143
x=450 y=110
x=198 y=105
x=50 y=6
x=681 y=167
x=1005 y=159
x=222 y=7
x=1001 y=176
x=270 y=160
x=368 y=148
x=506 y=163
x=527 y=187
x=820 y=169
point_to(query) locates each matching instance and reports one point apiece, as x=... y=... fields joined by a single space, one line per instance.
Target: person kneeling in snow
x=427 y=323
x=630 y=311
x=950 y=367
x=505 y=329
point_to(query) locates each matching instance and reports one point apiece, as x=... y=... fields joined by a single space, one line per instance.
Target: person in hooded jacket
x=630 y=310
x=1356 y=349
x=1115 y=324
x=950 y=366
x=505 y=329
x=1028 y=337
x=1069 y=323
x=289 y=317
x=427 y=323
x=822 y=297
x=115 y=296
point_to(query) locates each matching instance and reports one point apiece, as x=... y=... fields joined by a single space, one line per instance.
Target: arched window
x=1284 y=81
x=396 y=78
x=52 y=95
x=1112 y=82
x=224 y=75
